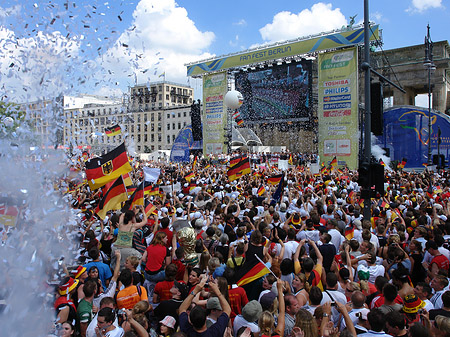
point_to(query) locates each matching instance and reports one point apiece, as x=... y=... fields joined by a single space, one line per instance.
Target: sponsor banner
x=338 y=107
x=307 y=45
x=214 y=113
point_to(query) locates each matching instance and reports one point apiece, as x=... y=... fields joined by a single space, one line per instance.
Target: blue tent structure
x=183 y=144
x=405 y=134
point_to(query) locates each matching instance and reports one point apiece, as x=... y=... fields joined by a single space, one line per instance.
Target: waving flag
x=113 y=130
x=258 y=271
x=274 y=180
x=238 y=170
x=290 y=161
x=334 y=162
x=189 y=176
x=115 y=195
x=261 y=190
x=106 y=168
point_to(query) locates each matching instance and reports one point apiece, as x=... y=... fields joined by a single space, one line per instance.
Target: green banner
x=215 y=87
x=308 y=45
x=338 y=107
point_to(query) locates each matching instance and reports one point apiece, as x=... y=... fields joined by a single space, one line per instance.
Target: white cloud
x=234 y=43
x=286 y=25
x=10 y=11
x=422 y=5
x=162 y=39
x=241 y=22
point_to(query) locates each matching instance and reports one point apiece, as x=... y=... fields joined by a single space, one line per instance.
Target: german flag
x=290 y=161
x=402 y=164
x=261 y=190
x=238 y=170
x=258 y=271
x=349 y=232
x=192 y=186
x=274 y=180
x=115 y=195
x=150 y=208
x=8 y=215
x=137 y=198
x=189 y=176
x=108 y=167
x=239 y=121
x=207 y=166
x=382 y=162
x=113 y=130
x=235 y=160
x=151 y=190
x=334 y=162
x=195 y=162
x=127 y=179
x=323 y=170
x=430 y=191
x=131 y=189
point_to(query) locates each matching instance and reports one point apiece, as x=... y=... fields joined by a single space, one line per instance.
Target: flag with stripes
x=113 y=130
x=189 y=176
x=113 y=198
x=291 y=160
x=334 y=162
x=261 y=190
x=258 y=271
x=239 y=169
x=349 y=232
x=150 y=208
x=108 y=167
x=274 y=180
x=127 y=179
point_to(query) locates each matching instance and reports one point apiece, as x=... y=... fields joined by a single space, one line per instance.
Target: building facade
x=150 y=117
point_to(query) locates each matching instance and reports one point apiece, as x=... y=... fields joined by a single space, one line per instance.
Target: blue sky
x=101 y=47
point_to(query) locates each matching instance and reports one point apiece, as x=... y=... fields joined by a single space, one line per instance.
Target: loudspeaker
x=439 y=160
x=376 y=179
x=376 y=108
x=196 y=122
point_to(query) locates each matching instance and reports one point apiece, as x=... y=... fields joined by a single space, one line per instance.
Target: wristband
x=192 y=293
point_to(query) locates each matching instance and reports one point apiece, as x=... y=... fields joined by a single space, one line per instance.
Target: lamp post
x=428 y=63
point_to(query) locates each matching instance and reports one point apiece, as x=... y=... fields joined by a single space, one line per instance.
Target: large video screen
x=274 y=93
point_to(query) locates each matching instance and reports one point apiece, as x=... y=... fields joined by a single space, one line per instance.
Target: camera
x=121 y=316
x=333 y=304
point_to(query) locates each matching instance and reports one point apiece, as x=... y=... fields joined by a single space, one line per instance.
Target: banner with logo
x=215 y=87
x=338 y=107
x=309 y=44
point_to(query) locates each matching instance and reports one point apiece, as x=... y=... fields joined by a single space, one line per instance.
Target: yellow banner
x=215 y=87
x=338 y=107
x=308 y=45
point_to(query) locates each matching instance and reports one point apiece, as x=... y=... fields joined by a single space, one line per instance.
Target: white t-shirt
x=289 y=249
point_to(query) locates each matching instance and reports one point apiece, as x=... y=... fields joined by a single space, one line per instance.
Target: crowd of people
x=327 y=271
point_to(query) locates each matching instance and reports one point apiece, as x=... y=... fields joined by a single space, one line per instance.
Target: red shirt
x=441 y=261
x=181 y=269
x=378 y=301
x=156 y=255
x=162 y=289
x=238 y=298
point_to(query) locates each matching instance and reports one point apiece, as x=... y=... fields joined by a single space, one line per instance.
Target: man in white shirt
x=291 y=245
x=336 y=237
x=439 y=284
x=331 y=294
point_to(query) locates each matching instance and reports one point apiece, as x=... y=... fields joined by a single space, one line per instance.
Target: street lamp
x=428 y=63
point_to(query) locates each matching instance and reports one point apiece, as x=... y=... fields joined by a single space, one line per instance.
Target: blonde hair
x=266 y=323
x=141 y=307
x=306 y=321
x=134 y=261
x=303 y=279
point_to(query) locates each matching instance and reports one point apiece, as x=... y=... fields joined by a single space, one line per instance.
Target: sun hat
x=79 y=271
x=252 y=311
x=169 y=322
x=67 y=285
x=213 y=303
x=412 y=304
x=296 y=219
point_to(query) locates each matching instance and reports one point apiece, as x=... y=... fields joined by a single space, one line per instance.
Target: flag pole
x=266 y=266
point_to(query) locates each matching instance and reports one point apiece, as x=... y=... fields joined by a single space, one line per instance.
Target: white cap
x=164 y=209
x=179 y=210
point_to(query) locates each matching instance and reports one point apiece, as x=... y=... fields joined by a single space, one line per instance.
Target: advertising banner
x=338 y=107
x=302 y=46
x=214 y=119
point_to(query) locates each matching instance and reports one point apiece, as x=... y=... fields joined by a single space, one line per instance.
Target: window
x=139 y=118
x=179 y=115
x=153 y=147
x=139 y=148
x=132 y=128
x=145 y=117
x=168 y=126
x=153 y=128
x=167 y=88
x=160 y=88
x=159 y=127
x=152 y=138
x=139 y=138
x=179 y=125
x=159 y=147
x=167 y=96
x=153 y=117
x=160 y=97
x=173 y=126
x=168 y=116
x=139 y=128
x=159 y=137
x=173 y=138
x=159 y=116
x=184 y=113
x=145 y=128
x=168 y=139
x=145 y=138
